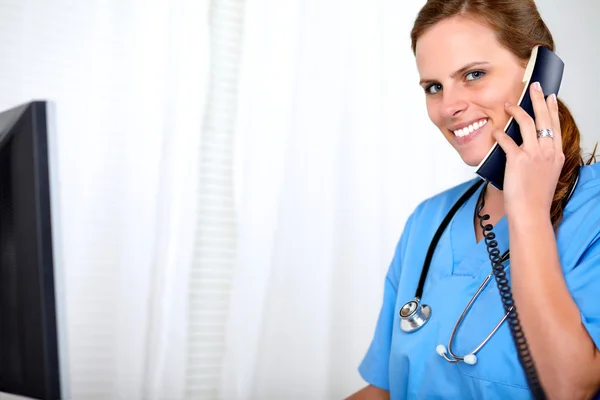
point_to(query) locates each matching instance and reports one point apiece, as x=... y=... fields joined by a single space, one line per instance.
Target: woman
x=471 y=56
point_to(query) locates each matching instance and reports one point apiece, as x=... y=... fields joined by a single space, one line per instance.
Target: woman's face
x=467 y=77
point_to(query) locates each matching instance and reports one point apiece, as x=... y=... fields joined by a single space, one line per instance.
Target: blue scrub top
x=407 y=364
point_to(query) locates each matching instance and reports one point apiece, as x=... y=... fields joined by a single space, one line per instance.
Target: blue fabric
x=407 y=364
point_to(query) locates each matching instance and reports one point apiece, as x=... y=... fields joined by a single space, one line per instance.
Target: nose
x=453 y=104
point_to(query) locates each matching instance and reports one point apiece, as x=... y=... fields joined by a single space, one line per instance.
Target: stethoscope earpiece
x=440 y=349
x=470 y=359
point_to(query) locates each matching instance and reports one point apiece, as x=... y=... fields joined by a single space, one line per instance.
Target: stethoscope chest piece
x=413 y=315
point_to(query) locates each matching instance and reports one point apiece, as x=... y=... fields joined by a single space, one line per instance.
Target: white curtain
x=128 y=78
x=334 y=151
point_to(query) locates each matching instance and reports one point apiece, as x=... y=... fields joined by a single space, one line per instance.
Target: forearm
x=565 y=356
x=370 y=393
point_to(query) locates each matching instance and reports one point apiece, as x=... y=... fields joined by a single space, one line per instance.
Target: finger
x=506 y=142
x=554 y=116
x=526 y=124
x=542 y=115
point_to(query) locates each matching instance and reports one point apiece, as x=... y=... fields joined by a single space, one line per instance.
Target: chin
x=473 y=159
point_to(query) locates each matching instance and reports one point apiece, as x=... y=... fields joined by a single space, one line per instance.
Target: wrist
x=532 y=219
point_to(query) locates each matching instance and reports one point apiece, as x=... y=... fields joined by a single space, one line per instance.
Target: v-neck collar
x=468 y=256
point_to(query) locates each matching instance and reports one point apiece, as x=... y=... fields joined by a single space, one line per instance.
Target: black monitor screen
x=29 y=340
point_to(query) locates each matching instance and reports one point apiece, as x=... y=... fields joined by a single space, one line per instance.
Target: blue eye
x=430 y=89
x=475 y=75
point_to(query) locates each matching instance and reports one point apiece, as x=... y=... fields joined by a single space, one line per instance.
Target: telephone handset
x=544 y=67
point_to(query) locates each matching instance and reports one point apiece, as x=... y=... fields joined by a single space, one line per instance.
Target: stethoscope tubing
x=457 y=358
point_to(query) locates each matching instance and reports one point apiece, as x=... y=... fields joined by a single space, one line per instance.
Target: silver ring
x=545 y=133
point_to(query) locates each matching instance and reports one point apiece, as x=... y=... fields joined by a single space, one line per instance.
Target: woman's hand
x=533 y=169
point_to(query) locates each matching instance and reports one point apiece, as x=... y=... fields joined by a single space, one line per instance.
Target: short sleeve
x=584 y=284
x=374 y=367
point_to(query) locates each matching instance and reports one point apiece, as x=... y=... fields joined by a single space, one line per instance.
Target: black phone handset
x=546 y=68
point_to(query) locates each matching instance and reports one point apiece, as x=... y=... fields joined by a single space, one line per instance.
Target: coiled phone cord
x=508 y=302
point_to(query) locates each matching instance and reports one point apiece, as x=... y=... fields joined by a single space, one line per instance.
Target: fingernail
x=537 y=86
x=507 y=104
x=553 y=98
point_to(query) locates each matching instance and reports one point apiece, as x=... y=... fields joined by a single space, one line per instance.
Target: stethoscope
x=414 y=315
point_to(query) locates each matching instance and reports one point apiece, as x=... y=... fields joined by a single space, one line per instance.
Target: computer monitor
x=32 y=320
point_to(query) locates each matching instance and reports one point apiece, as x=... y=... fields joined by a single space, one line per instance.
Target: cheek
x=495 y=96
x=491 y=96
x=434 y=112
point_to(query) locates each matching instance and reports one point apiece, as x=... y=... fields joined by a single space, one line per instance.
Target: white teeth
x=466 y=130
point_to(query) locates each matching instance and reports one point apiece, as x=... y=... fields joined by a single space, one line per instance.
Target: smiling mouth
x=468 y=130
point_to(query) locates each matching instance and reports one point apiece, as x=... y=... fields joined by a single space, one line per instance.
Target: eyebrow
x=457 y=72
